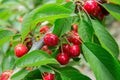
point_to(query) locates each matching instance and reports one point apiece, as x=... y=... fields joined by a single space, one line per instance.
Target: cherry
x=63 y=58
x=74 y=38
x=20 y=19
x=95 y=9
x=6 y=74
x=49 y=51
x=20 y=50
x=48 y=76
x=90 y=6
x=45 y=48
x=74 y=51
x=67 y=0
x=44 y=29
x=51 y=39
x=65 y=48
x=75 y=27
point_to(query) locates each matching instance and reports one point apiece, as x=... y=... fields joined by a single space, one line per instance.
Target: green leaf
x=35 y=58
x=113 y=9
x=5 y=36
x=85 y=31
x=19 y=75
x=59 y=1
x=4 y=15
x=115 y=1
x=62 y=26
x=104 y=65
x=8 y=61
x=46 y=12
x=70 y=6
x=34 y=74
x=105 y=39
x=70 y=73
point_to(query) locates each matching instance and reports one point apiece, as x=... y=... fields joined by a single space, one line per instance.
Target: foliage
x=98 y=47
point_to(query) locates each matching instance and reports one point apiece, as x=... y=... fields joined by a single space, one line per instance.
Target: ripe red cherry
x=90 y=6
x=48 y=76
x=75 y=27
x=44 y=29
x=67 y=0
x=63 y=58
x=45 y=48
x=6 y=74
x=20 y=19
x=65 y=48
x=74 y=51
x=20 y=50
x=51 y=39
x=74 y=38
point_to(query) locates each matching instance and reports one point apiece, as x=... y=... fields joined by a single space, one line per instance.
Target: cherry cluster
x=94 y=8
x=70 y=49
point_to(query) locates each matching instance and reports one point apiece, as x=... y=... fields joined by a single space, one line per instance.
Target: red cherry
x=51 y=39
x=48 y=76
x=96 y=12
x=6 y=74
x=20 y=50
x=74 y=51
x=74 y=38
x=67 y=0
x=20 y=19
x=63 y=58
x=49 y=51
x=44 y=29
x=44 y=48
x=65 y=48
x=90 y=6
x=75 y=27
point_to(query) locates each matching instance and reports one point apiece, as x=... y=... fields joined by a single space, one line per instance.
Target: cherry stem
x=67 y=40
x=79 y=14
x=53 y=68
x=61 y=47
x=76 y=37
x=86 y=12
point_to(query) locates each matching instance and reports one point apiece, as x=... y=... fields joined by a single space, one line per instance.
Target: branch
x=39 y=44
